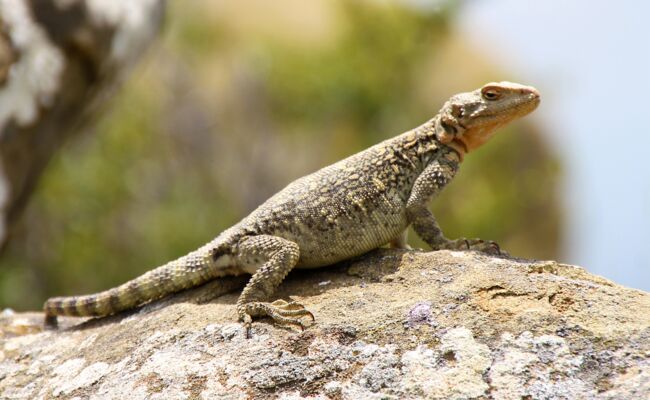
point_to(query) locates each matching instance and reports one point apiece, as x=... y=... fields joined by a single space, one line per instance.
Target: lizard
x=341 y=211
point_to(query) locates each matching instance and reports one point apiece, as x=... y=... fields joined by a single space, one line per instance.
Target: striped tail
x=191 y=270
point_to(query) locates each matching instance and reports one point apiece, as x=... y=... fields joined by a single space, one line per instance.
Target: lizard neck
x=417 y=148
x=449 y=141
x=459 y=147
x=430 y=147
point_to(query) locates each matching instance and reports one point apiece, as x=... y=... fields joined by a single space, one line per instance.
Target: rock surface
x=391 y=325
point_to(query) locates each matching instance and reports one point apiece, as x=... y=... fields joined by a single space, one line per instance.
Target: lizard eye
x=490 y=94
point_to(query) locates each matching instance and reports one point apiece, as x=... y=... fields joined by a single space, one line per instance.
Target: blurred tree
x=58 y=62
x=243 y=97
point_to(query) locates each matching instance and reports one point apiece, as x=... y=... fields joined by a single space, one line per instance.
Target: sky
x=590 y=59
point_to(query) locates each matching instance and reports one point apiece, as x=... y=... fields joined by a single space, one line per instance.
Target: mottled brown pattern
x=343 y=210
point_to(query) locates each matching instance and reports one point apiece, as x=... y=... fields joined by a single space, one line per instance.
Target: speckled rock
x=391 y=325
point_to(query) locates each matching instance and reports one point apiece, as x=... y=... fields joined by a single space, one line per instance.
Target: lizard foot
x=281 y=311
x=485 y=246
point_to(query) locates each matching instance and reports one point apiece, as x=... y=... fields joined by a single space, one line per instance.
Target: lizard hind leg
x=278 y=257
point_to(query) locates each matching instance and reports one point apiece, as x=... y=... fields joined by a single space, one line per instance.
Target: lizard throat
x=459 y=146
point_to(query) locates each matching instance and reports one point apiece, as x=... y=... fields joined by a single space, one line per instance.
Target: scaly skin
x=344 y=210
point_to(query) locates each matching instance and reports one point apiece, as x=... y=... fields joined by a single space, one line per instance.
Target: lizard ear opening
x=457 y=111
x=448 y=131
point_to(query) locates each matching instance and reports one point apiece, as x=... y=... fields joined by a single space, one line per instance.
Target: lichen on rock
x=502 y=329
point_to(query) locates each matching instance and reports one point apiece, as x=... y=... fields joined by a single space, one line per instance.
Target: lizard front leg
x=430 y=182
x=278 y=256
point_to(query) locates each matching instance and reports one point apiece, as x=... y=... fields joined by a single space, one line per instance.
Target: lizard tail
x=188 y=271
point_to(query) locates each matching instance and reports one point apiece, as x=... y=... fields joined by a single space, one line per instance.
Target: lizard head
x=468 y=120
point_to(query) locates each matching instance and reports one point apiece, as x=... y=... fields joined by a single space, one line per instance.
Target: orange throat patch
x=472 y=138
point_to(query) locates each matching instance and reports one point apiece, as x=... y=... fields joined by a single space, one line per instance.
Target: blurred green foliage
x=364 y=81
x=218 y=118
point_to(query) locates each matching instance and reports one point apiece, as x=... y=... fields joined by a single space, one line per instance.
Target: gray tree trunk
x=59 y=61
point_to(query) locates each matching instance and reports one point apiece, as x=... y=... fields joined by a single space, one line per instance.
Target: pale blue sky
x=591 y=61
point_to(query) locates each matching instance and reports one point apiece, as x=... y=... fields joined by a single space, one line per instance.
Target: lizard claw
x=287 y=305
x=485 y=246
x=281 y=311
x=492 y=247
x=248 y=321
x=292 y=308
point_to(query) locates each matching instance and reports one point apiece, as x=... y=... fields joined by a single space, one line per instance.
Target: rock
x=390 y=325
